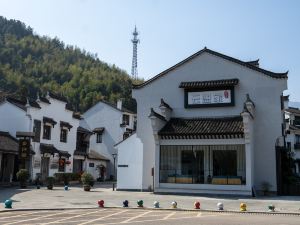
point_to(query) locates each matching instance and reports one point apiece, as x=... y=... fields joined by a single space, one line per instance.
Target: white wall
x=13 y=119
x=264 y=91
x=130 y=152
x=103 y=115
x=56 y=110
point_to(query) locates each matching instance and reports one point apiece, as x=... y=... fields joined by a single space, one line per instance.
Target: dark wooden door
x=45 y=167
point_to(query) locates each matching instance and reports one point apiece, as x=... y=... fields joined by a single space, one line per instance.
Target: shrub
x=22 y=175
x=87 y=179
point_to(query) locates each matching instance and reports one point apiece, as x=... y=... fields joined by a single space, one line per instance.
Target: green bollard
x=8 y=203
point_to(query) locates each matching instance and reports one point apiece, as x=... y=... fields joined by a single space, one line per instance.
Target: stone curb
x=162 y=209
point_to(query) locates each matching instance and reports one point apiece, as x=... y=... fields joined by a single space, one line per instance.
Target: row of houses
x=209 y=124
x=61 y=139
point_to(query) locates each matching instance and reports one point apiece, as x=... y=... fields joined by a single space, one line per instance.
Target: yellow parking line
x=36 y=218
x=71 y=217
x=103 y=217
x=135 y=217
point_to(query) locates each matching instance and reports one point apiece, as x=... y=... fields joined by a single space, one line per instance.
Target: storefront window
x=217 y=164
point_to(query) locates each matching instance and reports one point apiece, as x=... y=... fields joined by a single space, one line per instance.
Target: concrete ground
x=75 y=197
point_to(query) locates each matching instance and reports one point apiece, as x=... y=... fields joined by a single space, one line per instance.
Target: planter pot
x=50 y=187
x=23 y=185
x=86 y=187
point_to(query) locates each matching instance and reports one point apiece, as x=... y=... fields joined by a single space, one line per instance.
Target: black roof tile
x=208 y=84
x=203 y=128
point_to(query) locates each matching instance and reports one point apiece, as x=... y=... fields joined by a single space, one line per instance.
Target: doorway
x=45 y=168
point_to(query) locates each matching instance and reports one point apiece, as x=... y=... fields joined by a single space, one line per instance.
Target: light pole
x=114 y=156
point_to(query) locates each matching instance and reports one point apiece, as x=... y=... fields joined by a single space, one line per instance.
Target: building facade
x=292 y=126
x=208 y=124
x=54 y=125
x=108 y=124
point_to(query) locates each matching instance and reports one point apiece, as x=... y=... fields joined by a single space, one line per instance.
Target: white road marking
x=199 y=214
x=71 y=217
x=135 y=217
x=36 y=218
x=24 y=214
x=168 y=216
x=103 y=217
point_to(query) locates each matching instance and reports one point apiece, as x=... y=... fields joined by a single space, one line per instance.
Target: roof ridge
x=238 y=61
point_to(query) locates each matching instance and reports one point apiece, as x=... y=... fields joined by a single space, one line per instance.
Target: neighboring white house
x=208 y=124
x=292 y=126
x=108 y=124
x=55 y=127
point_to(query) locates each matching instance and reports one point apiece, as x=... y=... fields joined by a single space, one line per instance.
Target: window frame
x=64 y=138
x=98 y=138
x=45 y=133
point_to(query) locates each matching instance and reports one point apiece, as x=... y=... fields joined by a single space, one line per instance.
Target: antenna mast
x=135 y=41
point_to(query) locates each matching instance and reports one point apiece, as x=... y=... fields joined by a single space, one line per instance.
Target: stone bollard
x=101 y=204
x=8 y=203
x=197 y=205
x=220 y=206
x=243 y=207
x=271 y=208
x=156 y=204
x=174 y=205
x=66 y=187
x=125 y=203
x=140 y=203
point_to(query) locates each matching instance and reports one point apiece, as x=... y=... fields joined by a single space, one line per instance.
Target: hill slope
x=30 y=63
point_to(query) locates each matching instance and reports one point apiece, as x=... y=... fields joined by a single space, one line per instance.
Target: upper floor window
x=63 y=135
x=125 y=119
x=99 y=138
x=47 y=132
x=37 y=130
x=297 y=139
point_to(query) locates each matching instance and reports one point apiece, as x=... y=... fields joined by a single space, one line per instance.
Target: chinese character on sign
x=206 y=98
x=218 y=98
x=24 y=148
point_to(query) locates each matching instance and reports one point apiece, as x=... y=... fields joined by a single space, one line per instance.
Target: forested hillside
x=30 y=63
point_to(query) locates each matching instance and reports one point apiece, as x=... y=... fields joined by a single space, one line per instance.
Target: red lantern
x=101 y=203
x=61 y=162
x=68 y=162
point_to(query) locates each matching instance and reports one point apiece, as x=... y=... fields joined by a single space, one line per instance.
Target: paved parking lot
x=108 y=216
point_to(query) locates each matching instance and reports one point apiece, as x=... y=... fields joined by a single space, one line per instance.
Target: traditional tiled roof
x=25 y=134
x=81 y=153
x=209 y=84
x=99 y=130
x=164 y=104
x=242 y=63
x=83 y=130
x=57 y=96
x=293 y=110
x=64 y=153
x=77 y=115
x=21 y=103
x=203 y=128
x=96 y=156
x=45 y=100
x=254 y=62
x=48 y=148
x=65 y=124
x=155 y=114
x=49 y=120
x=8 y=144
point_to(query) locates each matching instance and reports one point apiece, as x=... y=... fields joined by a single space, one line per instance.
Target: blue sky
x=171 y=30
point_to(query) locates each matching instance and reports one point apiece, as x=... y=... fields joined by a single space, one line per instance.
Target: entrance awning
x=65 y=154
x=47 y=148
x=203 y=128
x=8 y=144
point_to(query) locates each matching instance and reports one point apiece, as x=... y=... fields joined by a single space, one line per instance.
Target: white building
x=208 y=124
x=108 y=124
x=292 y=126
x=55 y=127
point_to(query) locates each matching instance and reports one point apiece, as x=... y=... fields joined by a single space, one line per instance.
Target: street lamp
x=114 y=156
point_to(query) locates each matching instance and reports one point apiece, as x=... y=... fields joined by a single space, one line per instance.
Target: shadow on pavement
x=8 y=193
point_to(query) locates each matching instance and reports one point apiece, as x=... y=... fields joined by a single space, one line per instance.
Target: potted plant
x=23 y=176
x=87 y=180
x=50 y=182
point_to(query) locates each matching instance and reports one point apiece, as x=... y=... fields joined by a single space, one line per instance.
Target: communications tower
x=135 y=41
